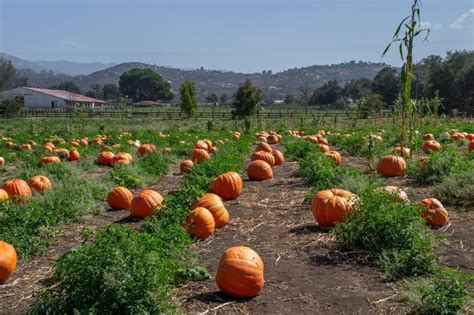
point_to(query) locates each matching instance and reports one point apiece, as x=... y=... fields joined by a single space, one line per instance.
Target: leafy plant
x=457 y=189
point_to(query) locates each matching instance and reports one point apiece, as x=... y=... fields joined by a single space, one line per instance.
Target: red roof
x=68 y=96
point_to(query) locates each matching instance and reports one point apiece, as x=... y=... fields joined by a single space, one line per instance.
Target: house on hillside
x=46 y=98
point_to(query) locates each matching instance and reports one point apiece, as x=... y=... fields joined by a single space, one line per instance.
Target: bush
x=457 y=190
x=394 y=232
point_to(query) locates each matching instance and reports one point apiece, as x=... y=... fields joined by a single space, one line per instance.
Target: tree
x=212 y=98
x=223 y=98
x=289 y=99
x=10 y=107
x=370 y=103
x=357 y=88
x=305 y=96
x=9 y=77
x=327 y=94
x=97 y=91
x=387 y=84
x=68 y=86
x=111 y=92
x=246 y=100
x=144 y=84
x=188 y=97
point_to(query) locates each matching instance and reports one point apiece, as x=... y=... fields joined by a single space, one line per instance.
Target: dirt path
x=305 y=273
x=32 y=276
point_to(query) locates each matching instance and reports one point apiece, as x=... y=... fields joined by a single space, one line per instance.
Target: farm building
x=146 y=104
x=46 y=98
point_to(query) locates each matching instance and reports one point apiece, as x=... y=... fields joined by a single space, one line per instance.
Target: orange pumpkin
x=200 y=155
x=9 y=145
x=40 y=183
x=227 y=185
x=457 y=136
x=406 y=152
x=17 y=189
x=123 y=158
x=431 y=145
x=49 y=160
x=427 y=136
x=201 y=144
x=262 y=146
x=335 y=156
x=84 y=142
x=74 y=155
x=7 y=261
x=322 y=140
x=2 y=161
x=278 y=156
x=470 y=146
x=212 y=149
x=264 y=156
x=146 y=149
x=330 y=206
x=200 y=223
x=435 y=214
x=24 y=147
x=391 y=165
x=240 y=273
x=259 y=170
x=120 y=198
x=185 y=165
x=145 y=203
x=236 y=136
x=106 y=158
x=75 y=143
x=214 y=204
x=273 y=139
x=324 y=148
x=62 y=153
x=3 y=195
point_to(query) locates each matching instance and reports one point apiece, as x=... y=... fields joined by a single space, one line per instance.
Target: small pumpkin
x=84 y=142
x=240 y=273
x=330 y=206
x=40 y=183
x=201 y=144
x=8 y=260
x=185 y=165
x=227 y=185
x=391 y=165
x=278 y=156
x=236 y=136
x=24 y=147
x=146 y=149
x=335 y=156
x=406 y=152
x=2 y=161
x=74 y=155
x=324 y=148
x=470 y=146
x=46 y=160
x=3 y=195
x=214 y=204
x=123 y=158
x=145 y=203
x=200 y=223
x=431 y=145
x=427 y=136
x=17 y=189
x=457 y=136
x=9 y=145
x=106 y=158
x=273 y=139
x=200 y=155
x=435 y=214
x=264 y=156
x=120 y=198
x=259 y=170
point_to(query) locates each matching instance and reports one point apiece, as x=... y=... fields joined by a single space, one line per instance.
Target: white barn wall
x=35 y=99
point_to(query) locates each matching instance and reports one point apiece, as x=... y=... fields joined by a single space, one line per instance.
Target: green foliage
x=246 y=100
x=122 y=176
x=387 y=84
x=439 y=165
x=393 y=232
x=457 y=189
x=368 y=104
x=444 y=294
x=10 y=107
x=290 y=99
x=188 y=98
x=327 y=94
x=144 y=85
x=9 y=76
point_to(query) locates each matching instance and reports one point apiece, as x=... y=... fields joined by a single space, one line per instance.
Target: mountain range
x=274 y=85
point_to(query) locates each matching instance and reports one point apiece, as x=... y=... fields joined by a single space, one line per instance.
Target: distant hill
x=58 y=67
x=274 y=85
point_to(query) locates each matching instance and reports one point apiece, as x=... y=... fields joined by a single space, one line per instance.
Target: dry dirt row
x=34 y=275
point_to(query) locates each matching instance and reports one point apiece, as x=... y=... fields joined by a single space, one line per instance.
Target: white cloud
x=430 y=25
x=69 y=43
x=463 y=19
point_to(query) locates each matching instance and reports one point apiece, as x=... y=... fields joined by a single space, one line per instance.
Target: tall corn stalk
x=412 y=29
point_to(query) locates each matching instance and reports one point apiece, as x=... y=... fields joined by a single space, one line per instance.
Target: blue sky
x=238 y=35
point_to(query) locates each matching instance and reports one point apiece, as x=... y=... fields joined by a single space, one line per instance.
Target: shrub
x=394 y=232
x=457 y=190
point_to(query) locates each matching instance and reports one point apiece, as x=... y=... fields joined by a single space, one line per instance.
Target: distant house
x=146 y=104
x=46 y=98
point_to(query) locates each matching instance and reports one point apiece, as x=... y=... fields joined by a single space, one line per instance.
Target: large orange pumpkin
x=200 y=223
x=7 y=261
x=183 y=167
x=227 y=185
x=214 y=204
x=3 y=195
x=262 y=146
x=120 y=198
x=240 y=273
x=259 y=170
x=200 y=155
x=146 y=148
x=145 y=203
x=431 y=145
x=335 y=156
x=435 y=214
x=74 y=155
x=279 y=158
x=50 y=160
x=40 y=183
x=106 y=158
x=330 y=206
x=391 y=165
x=264 y=156
x=17 y=189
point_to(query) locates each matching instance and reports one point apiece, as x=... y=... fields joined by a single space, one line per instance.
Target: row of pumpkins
x=320 y=140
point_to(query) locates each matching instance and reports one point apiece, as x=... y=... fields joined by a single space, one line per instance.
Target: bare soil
x=34 y=275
